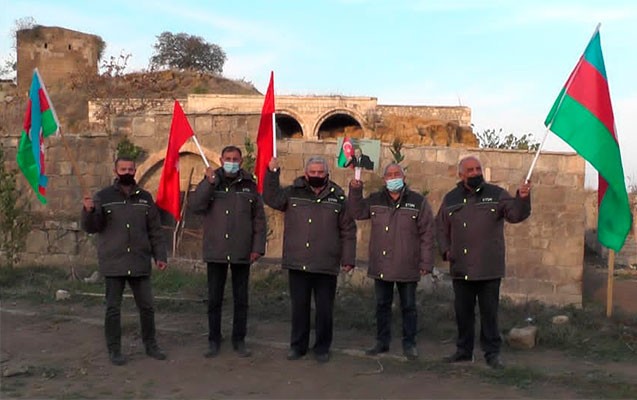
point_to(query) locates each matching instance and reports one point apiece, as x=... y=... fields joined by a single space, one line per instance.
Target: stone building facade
x=544 y=253
x=56 y=52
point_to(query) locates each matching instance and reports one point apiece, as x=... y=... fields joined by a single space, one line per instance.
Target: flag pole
x=76 y=169
x=273 y=134
x=203 y=157
x=537 y=155
x=273 y=121
x=609 y=285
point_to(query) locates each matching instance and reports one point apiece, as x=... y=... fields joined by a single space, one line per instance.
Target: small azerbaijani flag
x=346 y=152
x=40 y=121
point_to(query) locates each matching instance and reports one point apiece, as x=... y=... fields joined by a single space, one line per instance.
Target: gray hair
x=317 y=160
x=462 y=160
x=393 y=164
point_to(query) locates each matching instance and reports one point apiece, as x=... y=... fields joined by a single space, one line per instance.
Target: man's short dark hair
x=124 y=158
x=231 y=148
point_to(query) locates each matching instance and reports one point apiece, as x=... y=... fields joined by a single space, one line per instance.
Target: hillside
x=71 y=96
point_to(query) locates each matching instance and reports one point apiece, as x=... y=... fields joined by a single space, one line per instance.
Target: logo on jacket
x=485 y=199
x=143 y=201
x=410 y=205
x=246 y=190
x=331 y=199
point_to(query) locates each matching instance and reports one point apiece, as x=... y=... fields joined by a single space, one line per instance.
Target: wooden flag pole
x=76 y=169
x=609 y=286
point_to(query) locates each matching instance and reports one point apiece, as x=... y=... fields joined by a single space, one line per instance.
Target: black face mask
x=317 y=181
x=126 y=179
x=475 y=181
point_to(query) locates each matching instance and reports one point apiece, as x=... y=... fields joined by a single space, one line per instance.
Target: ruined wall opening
x=339 y=124
x=288 y=127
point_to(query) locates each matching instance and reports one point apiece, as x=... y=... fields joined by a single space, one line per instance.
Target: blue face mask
x=230 y=167
x=394 y=185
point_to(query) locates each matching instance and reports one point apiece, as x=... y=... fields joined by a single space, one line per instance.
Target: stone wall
x=56 y=52
x=459 y=114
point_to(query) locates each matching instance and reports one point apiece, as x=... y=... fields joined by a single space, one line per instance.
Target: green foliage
x=15 y=221
x=490 y=139
x=128 y=149
x=187 y=52
x=249 y=159
x=396 y=148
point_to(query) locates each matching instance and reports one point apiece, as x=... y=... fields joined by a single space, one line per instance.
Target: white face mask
x=231 y=167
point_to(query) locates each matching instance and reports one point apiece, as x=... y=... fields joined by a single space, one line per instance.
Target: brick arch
x=351 y=113
x=157 y=157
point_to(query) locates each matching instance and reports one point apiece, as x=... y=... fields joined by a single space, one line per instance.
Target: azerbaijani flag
x=40 y=121
x=583 y=117
x=346 y=152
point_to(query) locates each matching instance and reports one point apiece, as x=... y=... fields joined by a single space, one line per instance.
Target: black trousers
x=488 y=295
x=384 y=298
x=217 y=274
x=302 y=285
x=143 y=294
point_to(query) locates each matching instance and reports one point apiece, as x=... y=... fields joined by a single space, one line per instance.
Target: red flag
x=265 y=137
x=168 y=192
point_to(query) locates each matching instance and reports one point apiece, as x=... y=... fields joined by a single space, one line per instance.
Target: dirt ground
x=56 y=350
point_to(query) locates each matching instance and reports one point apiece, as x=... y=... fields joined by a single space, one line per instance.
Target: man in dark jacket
x=400 y=251
x=234 y=236
x=129 y=233
x=319 y=236
x=470 y=233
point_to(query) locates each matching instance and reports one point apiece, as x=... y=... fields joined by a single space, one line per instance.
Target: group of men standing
x=319 y=241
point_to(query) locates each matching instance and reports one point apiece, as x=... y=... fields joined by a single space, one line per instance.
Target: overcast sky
x=506 y=60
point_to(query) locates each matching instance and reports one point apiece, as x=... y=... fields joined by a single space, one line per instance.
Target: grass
x=589 y=335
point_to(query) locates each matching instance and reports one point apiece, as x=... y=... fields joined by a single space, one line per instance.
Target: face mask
x=230 y=167
x=317 y=181
x=126 y=179
x=394 y=185
x=475 y=181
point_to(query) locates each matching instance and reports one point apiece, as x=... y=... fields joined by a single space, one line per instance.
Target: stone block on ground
x=522 y=338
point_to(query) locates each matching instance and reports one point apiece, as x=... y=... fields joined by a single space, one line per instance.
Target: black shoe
x=117 y=358
x=155 y=352
x=459 y=357
x=294 y=354
x=495 y=363
x=377 y=349
x=322 y=358
x=241 y=349
x=411 y=353
x=213 y=350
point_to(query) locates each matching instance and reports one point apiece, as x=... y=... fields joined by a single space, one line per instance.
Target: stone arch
x=153 y=163
x=289 y=125
x=339 y=122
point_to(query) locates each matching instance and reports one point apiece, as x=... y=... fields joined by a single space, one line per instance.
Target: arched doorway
x=287 y=127
x=337 y=124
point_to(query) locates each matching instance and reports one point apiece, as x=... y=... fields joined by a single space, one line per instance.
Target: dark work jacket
x=320 y=235
x=402 y=235
x=470 y=225
x=234 y=219
x=129 y=231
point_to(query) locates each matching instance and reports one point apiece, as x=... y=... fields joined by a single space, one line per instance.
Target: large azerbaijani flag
x=40 y=122
x=583 y=117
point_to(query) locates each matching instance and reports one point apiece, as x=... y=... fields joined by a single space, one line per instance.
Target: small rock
x=15 y=371
x=522 y=338
x=95 y=276
x=560 y=320
x=62 y=295
x=8 y=99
